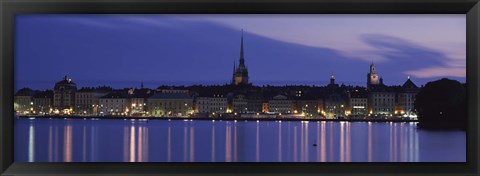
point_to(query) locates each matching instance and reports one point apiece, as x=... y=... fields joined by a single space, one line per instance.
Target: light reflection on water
x=58 y=140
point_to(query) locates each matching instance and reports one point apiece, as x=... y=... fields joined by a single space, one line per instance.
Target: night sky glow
x=124 y=50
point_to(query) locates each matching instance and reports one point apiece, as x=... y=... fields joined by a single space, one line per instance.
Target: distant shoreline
x=209 y=118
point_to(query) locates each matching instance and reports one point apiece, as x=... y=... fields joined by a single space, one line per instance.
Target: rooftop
x=170 y=96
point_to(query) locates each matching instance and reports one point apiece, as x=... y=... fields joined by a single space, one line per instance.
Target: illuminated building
x=87 y=101
x=23 y=101
x=64 y=96
x=203 y=105
x=115 y=103
x=138 y=100
x=381 y=101
x=335 y=102
x=358 y=100
x=170 y=104
x=43 y=102
x=406 y=99
x=280 y=104
x=217 y=103
x=334 y=106
x=265 y=108
x=239 y=104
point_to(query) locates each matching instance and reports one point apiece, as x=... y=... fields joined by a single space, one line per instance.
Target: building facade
x=335 y=103
x=203 y=105
x=358 y=103
x=334 y=106
x=87 y=101
x=215 y=104
x=64 y=96
x=43 y=102
x=115 y=103
x=381 y=102
x=23 y=101
x=218 y=103
x=239 y=104
x=254 y=103
x=170 y=105
x=280 y=104
x=309 y=108
x=406 y=99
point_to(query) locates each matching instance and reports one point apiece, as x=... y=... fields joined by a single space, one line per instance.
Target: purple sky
x=124 y=50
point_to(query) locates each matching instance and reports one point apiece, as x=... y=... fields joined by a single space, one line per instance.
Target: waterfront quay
x=224 y=118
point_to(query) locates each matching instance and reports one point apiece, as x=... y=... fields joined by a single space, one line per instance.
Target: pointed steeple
x=141 y=85
x=241 y=72
x=233 y=73
x=332 y=79
x=372 y=68
x=242 y=59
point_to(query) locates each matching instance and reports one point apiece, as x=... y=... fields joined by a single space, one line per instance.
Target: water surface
x=78 y=140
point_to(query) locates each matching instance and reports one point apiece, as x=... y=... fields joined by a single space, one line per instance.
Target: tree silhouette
x=442 y=104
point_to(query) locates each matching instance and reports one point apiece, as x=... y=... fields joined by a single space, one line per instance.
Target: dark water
x=58 y=140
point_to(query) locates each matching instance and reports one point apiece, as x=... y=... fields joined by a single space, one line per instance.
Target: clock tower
x=372 y=77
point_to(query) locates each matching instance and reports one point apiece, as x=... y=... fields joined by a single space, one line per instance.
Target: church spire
x=233 y=76
x=240 y=72
x=372 y=68
x=242 y=59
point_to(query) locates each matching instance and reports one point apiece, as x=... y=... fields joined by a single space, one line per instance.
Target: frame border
x=8 y=9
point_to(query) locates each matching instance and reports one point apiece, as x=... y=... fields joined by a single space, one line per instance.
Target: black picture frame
x=9 y=8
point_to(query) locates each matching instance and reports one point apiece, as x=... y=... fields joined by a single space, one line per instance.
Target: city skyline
x=155 y=51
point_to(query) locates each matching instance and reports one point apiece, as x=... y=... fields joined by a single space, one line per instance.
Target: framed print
x=219 y=86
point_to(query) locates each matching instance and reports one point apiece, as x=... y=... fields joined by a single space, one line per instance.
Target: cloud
x=419 y=61
x=438 y=72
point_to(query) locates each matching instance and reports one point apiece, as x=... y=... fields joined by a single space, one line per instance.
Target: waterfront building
x=307 y=102
x=358 y=103
x=381 y=101
x=115 y=103
x=23 y=101
x=166 y=104
x=406 y=99
x=218 y=103
x=215 y=104
x=334 y=106
x=310 y=108
x=203 y=105
x=335 y=102
x=138 y=100
x=43 y=102
x=87 y=100
x=239 y=104
x=265 y=108
x=280 y=104
x=240 y=73
x=64 y=96
x=138 y=104
x=254 y=102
